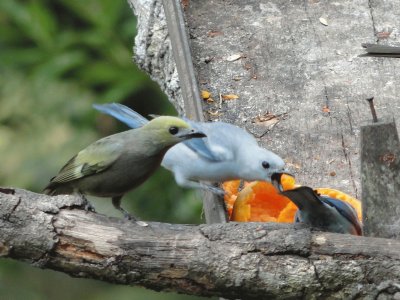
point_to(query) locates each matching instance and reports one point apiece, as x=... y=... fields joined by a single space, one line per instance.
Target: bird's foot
x=128 y=216
x=87 y=205
x=214 y=190
x=142 y=224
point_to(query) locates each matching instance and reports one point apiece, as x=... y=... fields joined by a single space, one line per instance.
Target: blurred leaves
x=82 y=41
x=38 y=118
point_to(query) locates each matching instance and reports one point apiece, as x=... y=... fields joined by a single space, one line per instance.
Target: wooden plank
x=306 y=74
x=380 y=177
x=214 y=209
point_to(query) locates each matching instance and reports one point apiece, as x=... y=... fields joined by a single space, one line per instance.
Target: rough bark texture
x=247 y=260
x=152 y=51
x=304 y=74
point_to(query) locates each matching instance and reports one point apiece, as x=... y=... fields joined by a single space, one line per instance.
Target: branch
x=233 y=260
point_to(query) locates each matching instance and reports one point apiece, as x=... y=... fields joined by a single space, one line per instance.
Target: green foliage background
x=56 y=59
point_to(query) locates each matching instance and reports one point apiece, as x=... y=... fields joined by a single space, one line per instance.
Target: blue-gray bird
x=227 y=153
x=324 y=213
x=116 y=164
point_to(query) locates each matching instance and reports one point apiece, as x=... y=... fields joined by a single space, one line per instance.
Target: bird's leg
x=116 y=201
x=241 y=185
x=88 y=206
x=213 y=189
x=184 y=182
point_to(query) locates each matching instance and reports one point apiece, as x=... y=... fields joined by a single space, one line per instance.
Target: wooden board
x=306 y=74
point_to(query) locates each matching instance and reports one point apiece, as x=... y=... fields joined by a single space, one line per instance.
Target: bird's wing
x=200 y=146
x=221 y=142
x=122 y=113
x=345 y=210
x=94 y=159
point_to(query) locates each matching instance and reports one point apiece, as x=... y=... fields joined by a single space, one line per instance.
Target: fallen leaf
x=323 y=21
x=383 y=34
x=214 y=113
x=229 y=97
x=247 y=66
x=205 y=95
x=293 y=165
x=234 y=57
x=185 y=3
x=388 y=158
x=214 y=33
x=326 y=109
x=267 y=119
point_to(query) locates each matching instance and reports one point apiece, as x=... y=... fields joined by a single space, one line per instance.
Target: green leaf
x=58 y=64
x=34 y=19
x=42 y=24
x=101 y=13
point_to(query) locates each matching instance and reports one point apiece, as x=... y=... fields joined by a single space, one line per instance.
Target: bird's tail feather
x=304 y=197
x=54 y=188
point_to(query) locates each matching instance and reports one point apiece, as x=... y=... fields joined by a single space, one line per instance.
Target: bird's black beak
x=192 y=134
x=276 y=179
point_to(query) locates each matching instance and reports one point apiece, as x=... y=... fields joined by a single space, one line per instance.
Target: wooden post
x=213 y=206
x=380 y=179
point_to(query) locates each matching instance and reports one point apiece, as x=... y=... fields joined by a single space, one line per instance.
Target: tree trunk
x=247 y=260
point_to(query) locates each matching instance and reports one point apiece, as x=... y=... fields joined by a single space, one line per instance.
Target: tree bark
x=247 y=260
x=152 y=50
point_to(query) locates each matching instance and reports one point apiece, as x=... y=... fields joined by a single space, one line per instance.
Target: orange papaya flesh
x=261 y=202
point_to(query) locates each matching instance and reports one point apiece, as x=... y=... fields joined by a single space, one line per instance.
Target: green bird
x=118 y=163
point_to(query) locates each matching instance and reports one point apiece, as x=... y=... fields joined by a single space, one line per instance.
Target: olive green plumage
x=113 y=165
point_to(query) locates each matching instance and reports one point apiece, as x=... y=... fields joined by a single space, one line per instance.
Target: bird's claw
x=128 y=216
x=142 y=224
x=215 y=190
x=89 y=207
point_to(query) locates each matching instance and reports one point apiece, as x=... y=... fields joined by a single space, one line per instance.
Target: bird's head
x=261 y=164
x=169 y=131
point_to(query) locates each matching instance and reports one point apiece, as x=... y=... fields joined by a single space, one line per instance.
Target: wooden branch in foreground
x=251 y=261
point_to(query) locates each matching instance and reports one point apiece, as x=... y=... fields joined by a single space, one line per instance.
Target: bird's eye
x=265 y=164
x=173 y=130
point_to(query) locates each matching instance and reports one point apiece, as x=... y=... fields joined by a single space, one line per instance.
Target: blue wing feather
x=345 y=210
x=123 y=114
x=200 y=146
